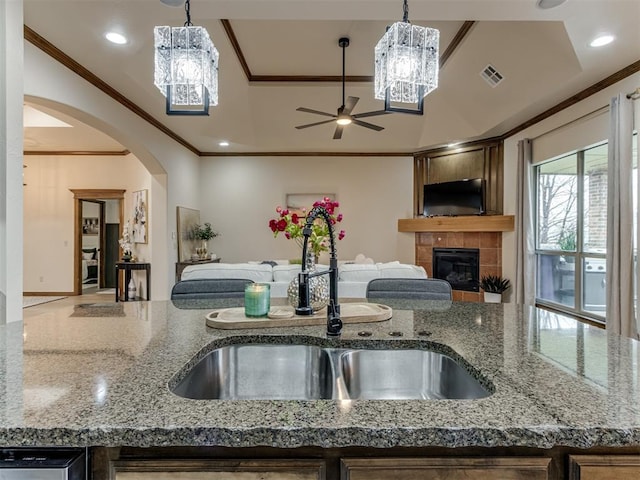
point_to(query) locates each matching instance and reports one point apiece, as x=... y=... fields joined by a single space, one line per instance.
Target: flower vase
x=491 y=297
x=203 y=249
x=126 y=257
x=318 y=288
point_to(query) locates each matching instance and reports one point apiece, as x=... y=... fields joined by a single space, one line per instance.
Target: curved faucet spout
x=334 y=323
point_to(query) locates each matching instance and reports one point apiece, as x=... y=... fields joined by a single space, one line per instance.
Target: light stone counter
x=99 y=376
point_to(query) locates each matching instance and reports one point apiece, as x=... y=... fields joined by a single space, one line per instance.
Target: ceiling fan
x=344 y=116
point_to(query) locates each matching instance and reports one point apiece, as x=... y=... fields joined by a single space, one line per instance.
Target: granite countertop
x=98 y=375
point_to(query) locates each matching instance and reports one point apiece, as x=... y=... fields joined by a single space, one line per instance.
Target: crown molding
x=51 y=50
x=233 y=39
x=306 y=154
x=57 y=54
x=578 y=97
x=110 y=153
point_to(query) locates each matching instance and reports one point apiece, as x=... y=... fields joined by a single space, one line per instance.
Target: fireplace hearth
x=458 y=266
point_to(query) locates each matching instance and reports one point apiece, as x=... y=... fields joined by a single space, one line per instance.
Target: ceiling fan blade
x=338 y=133
x=371 y=114
x=349 y=105
x=317 y=112
x=299 y=127
x=377 y=128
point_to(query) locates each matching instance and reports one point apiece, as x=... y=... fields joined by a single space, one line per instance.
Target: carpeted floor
x=32 y=301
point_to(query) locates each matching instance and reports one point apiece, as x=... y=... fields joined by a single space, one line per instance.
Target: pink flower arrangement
x=291 y=225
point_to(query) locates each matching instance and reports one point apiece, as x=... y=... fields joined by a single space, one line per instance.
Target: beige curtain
x=621 y=303
x=525 y=247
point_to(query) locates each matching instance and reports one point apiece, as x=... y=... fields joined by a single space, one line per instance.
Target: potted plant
x=494 y=286
x=125 y=244
x=204 y=233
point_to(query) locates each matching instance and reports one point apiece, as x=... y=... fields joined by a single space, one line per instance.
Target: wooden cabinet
x=257 y=463
x=604 y=467
x=447 y=468
x=206 y=469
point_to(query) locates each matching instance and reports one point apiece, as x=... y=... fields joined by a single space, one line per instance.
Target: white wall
x=577 y=111
x=238 y=195
x=49 y=211
x=173 y=168
x=11 y=84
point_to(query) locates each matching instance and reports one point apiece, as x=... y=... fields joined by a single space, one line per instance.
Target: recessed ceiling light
x=549 y=3
x=172 y=3
x=116 y=38
x=601 y=40
x=224 y=143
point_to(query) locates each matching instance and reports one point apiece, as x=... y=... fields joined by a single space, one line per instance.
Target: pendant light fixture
x=186 y=67
x=406 y=63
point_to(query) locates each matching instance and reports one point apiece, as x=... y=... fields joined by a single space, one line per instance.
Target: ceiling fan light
x=343 y=120
x=406 y=63
x=186 y=67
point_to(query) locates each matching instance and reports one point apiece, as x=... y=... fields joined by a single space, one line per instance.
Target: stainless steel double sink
x=307 y=372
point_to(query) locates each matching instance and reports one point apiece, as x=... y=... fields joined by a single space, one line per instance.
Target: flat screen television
x=461 y=197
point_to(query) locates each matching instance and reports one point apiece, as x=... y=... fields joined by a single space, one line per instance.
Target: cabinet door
x=205 y=469
x=447 y=468
x=604 y=467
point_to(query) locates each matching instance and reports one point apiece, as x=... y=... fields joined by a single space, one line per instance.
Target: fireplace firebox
x=458 y=266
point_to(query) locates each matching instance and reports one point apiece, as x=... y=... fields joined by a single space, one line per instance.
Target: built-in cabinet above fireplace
x=482 y=233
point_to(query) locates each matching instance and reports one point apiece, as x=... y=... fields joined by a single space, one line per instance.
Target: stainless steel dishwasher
x=43 y=464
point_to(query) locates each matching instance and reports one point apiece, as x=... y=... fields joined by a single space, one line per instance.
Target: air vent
x=491 y=75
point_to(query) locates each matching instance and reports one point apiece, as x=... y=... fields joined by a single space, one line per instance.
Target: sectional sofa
x=352 y=280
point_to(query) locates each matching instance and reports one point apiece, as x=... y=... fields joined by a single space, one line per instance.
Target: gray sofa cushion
x=410 y=288
x=209 y=288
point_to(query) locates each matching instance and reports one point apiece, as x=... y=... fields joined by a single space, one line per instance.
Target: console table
x=180 y=266
x=128 y=267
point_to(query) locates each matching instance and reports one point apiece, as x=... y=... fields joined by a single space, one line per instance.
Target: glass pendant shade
x=406 y=63
x=186 y=68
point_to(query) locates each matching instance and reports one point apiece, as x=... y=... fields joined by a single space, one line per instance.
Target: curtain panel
x=620 y=289
x=525 y=243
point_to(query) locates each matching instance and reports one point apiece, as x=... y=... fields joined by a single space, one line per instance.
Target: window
x=571 y=232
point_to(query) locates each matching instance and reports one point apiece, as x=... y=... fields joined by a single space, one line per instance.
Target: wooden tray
x=234 y=318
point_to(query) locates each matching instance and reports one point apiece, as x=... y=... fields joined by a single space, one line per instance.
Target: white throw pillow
x=285 y=273
x=401 y=270
x=256 y=273
x=358 y=272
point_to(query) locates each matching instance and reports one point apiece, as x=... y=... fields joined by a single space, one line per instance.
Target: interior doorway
x=93 y=245
x=99 y=216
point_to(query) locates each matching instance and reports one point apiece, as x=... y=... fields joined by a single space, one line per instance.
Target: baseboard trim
x=48 y=294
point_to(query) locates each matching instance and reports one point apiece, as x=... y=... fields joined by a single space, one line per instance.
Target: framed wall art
x=297 y=201
x=187 y=219
x=140 y=218
x=90 y=226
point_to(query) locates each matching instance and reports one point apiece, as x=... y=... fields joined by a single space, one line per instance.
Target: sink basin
x=260 y=372
x=306 y=372
x=406 y=375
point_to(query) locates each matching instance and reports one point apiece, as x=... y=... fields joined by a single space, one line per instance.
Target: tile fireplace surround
x=482 y=232
x=489 y=243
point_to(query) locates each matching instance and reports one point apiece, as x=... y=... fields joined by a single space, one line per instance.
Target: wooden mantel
x=472 y=223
